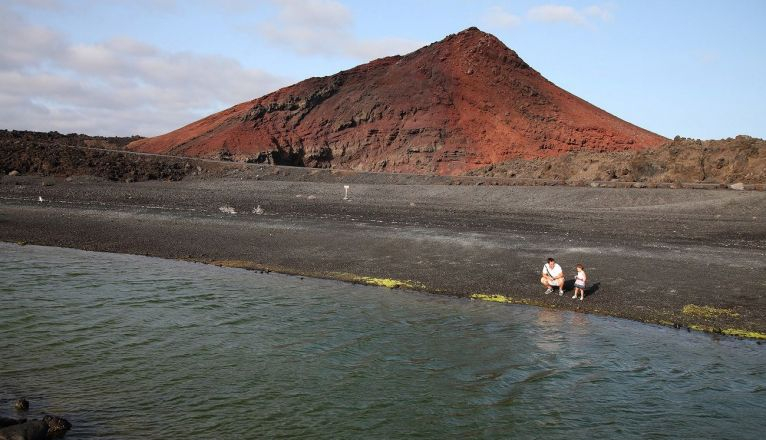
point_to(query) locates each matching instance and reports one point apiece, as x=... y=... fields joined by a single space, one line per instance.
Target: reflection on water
x=134 y=347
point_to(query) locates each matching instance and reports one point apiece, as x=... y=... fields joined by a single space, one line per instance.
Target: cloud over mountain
x=324 y=27
x=119 y=86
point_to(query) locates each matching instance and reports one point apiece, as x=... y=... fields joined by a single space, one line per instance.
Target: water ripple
x=130 y=347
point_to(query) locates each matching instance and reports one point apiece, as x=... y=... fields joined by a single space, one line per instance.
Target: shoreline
x=496 y=298
x=481 y=242
x=417 y=287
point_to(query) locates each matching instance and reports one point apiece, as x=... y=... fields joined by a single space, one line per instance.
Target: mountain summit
x=461 y=103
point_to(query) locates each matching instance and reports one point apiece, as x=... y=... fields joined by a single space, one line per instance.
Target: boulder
x=7 y=421
x=48 y=427
x=57 y=424
x=21 y=404
x=34 y=430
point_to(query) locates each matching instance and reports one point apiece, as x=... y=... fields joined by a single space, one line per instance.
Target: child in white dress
x=580 y=281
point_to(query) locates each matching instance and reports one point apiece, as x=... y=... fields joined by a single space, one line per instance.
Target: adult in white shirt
x=553 y=276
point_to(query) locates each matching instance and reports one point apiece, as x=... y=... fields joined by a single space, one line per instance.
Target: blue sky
x=120 y=67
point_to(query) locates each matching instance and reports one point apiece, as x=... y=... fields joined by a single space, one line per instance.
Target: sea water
x=135 y=347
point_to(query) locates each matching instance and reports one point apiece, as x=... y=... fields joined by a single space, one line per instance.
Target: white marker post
x=345 y=197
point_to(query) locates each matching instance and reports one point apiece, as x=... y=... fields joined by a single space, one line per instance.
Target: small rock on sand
x=739 y=186
x=13 y=173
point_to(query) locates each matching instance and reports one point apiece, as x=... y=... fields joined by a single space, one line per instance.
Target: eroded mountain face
x=459 y=104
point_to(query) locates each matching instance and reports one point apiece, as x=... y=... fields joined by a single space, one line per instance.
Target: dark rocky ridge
x=741 y=159
x=8 y=137
x=682 y=162
x=55 y=154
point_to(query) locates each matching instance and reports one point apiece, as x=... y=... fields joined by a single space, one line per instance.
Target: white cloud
x=36 y=4
x=24 y=45
x=61 y=5
x=556 y=13
x=708 y=57
x=498 y=17
x=603 y=13
x=315 y=13
x=382 y=47
x=567 y=14
x=116 y=87
x=324 y=27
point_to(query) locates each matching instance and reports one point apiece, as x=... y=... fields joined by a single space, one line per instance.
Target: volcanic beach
x=687 y=258
x=505 y=169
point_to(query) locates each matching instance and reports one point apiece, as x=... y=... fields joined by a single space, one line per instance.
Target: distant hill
x=9 y=137
x=462 y=103
x=55 y=154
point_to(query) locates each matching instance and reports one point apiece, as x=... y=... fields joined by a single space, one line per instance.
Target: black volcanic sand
x=683 y=257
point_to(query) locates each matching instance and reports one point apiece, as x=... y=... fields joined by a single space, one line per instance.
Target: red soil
x=459 y=104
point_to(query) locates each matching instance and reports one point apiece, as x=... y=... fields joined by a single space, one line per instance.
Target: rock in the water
x=34 y=430
x=57 y=424
x=48 y=427
x=13 y=173
x=21 y=404
x=739 y=186
x=7 y=421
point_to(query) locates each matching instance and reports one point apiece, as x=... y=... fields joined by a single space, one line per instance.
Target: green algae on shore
x=340 y=276
x=735 y=332
x=743 y=333
x=389 y=282
x=492 y=298
x=708 y=311
x=499 y=298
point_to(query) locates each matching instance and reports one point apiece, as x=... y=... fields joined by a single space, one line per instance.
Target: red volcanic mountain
x=458 y=104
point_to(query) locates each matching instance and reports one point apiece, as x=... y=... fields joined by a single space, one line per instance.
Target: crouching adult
x=552 y=277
